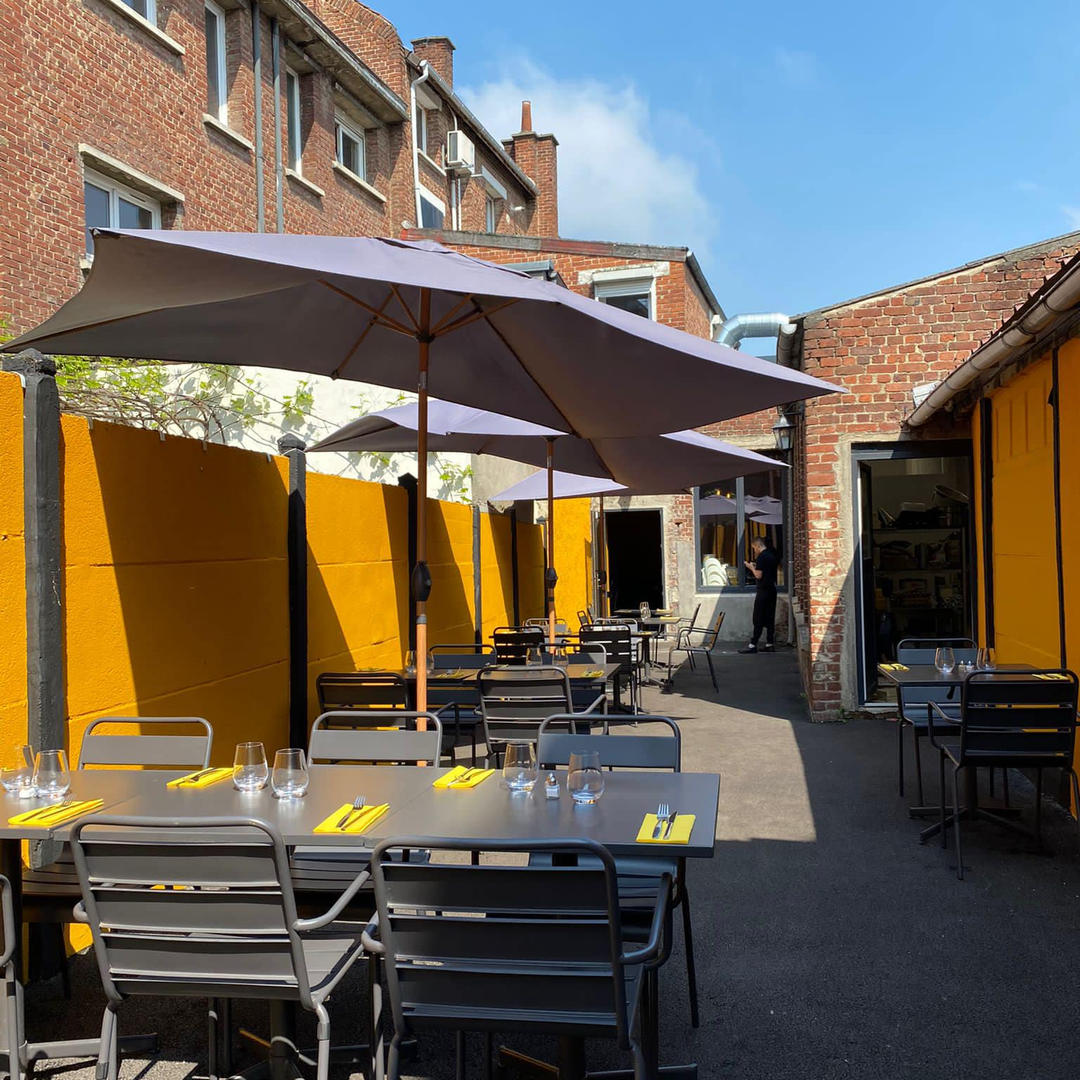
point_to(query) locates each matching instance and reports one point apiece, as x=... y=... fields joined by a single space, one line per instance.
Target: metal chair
x=1007 y=720
x=384 y=736
x=639 y=877
x=685 y=643
x=503 y=947
x=12 y=1012
x=617 y=642
x=458 y=703
x=231 y=919
x=360 y=690
x=513 y=643
x=515 y=701
x=913 y=702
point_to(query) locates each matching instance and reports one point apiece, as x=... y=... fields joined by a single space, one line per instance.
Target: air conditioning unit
x=460 y=152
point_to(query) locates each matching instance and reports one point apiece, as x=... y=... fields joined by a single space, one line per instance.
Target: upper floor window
x=491 y=214
x=351 y=149
x=111 y=205
x=146 y=8
x=635 y=296
x=432 y=211
x=292 y=119
x=217 y=92
x=422 y=128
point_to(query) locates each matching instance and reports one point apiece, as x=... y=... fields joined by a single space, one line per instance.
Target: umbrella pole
x=602 y=538
x=421 y=575
x=549 y=576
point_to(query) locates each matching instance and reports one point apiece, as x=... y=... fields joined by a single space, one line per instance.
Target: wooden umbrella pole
x=549 y=577
x=421 y=574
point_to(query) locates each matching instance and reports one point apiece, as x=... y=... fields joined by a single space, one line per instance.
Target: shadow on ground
x=830 y=944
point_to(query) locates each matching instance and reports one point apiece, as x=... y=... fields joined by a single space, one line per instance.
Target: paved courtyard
x=830 y=944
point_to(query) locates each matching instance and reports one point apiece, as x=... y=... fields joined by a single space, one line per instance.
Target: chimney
x=439 y=53
x=538 y=158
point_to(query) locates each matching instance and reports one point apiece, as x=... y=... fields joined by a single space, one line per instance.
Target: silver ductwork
x=763 y=324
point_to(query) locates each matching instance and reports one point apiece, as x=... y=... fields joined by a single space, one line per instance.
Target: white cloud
x=617 y=181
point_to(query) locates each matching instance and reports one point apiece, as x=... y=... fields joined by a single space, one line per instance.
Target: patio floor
x=829 y=943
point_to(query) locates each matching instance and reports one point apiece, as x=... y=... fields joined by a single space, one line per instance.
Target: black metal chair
x=12 y=1016
x=515 y=701
x=616 y=641
x=1007 y=720
x=697 y=641
x=913 y=702
x=514 y=643
x=230 y=928
x=458 y=703
x=511 y=948
x=361 y=690
x=639 y=877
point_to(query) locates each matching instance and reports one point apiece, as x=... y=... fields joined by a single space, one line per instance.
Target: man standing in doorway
x=764 y=569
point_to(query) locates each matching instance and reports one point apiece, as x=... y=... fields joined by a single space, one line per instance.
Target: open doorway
x=635 y=540
x=914 y=574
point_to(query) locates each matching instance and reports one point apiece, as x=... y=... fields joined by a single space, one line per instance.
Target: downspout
x=256 y=61
x=275 y=44
x=426 y=71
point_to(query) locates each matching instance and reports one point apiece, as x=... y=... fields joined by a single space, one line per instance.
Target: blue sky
x=808 y=152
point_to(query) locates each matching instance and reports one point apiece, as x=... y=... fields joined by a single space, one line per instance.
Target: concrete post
x=294 y=448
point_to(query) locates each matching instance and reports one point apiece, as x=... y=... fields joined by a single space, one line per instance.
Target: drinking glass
x=986 y=660
x=250 y=771
x=534 y=657
x=586 y=780
x=410 y=662
x=290 y=778
x=519 y=766
x=18 y=777
x=944 y=660
x=646 y=611
x=430 y=663
x=52 y=778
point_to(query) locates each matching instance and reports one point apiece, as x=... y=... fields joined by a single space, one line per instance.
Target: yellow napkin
x=679 y=834
x=360 y=821
x=454 y=778
x=46 y=817
x=449 y=673
x=593 y=673
x=1052 y=676
x=894 y=667
x=205 y=779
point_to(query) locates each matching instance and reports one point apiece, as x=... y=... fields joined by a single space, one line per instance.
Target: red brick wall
x=879 y=349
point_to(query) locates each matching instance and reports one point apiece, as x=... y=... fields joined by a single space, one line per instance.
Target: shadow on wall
x=450 y=558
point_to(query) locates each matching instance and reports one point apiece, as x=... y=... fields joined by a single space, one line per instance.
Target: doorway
x=635 y=542
x=914 y=574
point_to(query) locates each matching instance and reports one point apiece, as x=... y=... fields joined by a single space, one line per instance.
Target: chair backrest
x=515 y=701
x=229 y=931
x=913 y=651
x=184 y=742
x=693 y=618
x=561 y=736
x=615 y=641
x=383 y=736
x=471 y=655
x=498 y=945
x=361 y=690
x=1027 y=716
x=584 y=618
x=512 y=643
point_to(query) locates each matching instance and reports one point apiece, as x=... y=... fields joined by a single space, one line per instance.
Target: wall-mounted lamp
x=783 y=430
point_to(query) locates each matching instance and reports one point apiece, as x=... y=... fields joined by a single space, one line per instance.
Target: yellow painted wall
x=977 y=509
x=496 y=574
x=451 y=614
x=1069 y=390
x=12 y=567
x=531 y=570
x=573 y=558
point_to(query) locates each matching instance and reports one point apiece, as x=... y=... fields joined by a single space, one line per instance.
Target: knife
x=670 y=824
x=197 y=776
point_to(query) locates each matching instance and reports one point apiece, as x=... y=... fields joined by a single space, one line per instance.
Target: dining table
x=487 y=812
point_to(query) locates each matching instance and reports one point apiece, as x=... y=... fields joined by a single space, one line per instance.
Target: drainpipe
x=426 y=71
x=761 y=325
x=256 y=60
x=275 y=67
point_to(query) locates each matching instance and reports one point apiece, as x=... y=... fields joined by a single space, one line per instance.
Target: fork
x=468 y=774
x=663 y=817
x=47 y=812
x=358 y=804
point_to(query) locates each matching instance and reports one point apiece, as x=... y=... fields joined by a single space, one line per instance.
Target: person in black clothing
x=764 y=567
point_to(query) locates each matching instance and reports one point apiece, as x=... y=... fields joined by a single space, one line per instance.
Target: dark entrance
x=635 y=557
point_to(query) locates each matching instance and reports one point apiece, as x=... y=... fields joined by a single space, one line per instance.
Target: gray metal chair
x=913 y=702
x=513 y=643
x=639 y=876
x=231 y=928
x=12 y=1013
x=505 y=947
x=458 y=703
x=361 y=690
x=697 y=641
x=617 y=641
x=515 y=701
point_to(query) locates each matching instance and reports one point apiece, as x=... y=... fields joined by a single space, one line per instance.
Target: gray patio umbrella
x=411 y=316
x=641 y=463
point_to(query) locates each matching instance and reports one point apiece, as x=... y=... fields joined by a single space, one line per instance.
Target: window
x=729 y=515
x=491 y=215
x=635 y=296
x=421 y=128
x=351 y=149
x=146 y=8
x=432 y=211
x=292 y=119
x=110 y=205
x=217 y=92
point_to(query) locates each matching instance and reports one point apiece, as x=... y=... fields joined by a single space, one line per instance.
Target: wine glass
x=586 y=780
x=52 y=777
x=986 y=659
x=646 y=611
x=430 y=663
x=290 y=778
x=18 y=777
x=519 y=766
x=945 y=660
x=250 y=771
x=534 y=658
x=410 y=662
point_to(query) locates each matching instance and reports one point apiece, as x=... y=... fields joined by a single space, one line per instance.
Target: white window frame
x=116 y=191
x=630 y=286
x=437 y=203
x=222 y=112
x=421 y=122
x=491 y=214
x=358 y=135
x=151 y=10
x=292 y=98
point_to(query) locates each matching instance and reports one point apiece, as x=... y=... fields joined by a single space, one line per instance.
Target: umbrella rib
x=405 y=307
x=452 y=312
x=336 y=373
x=480 y=313
x=378 y=313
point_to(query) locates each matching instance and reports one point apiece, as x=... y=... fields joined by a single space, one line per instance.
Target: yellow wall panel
x=12 y=566
x=1069 y=389
x=573 y=558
